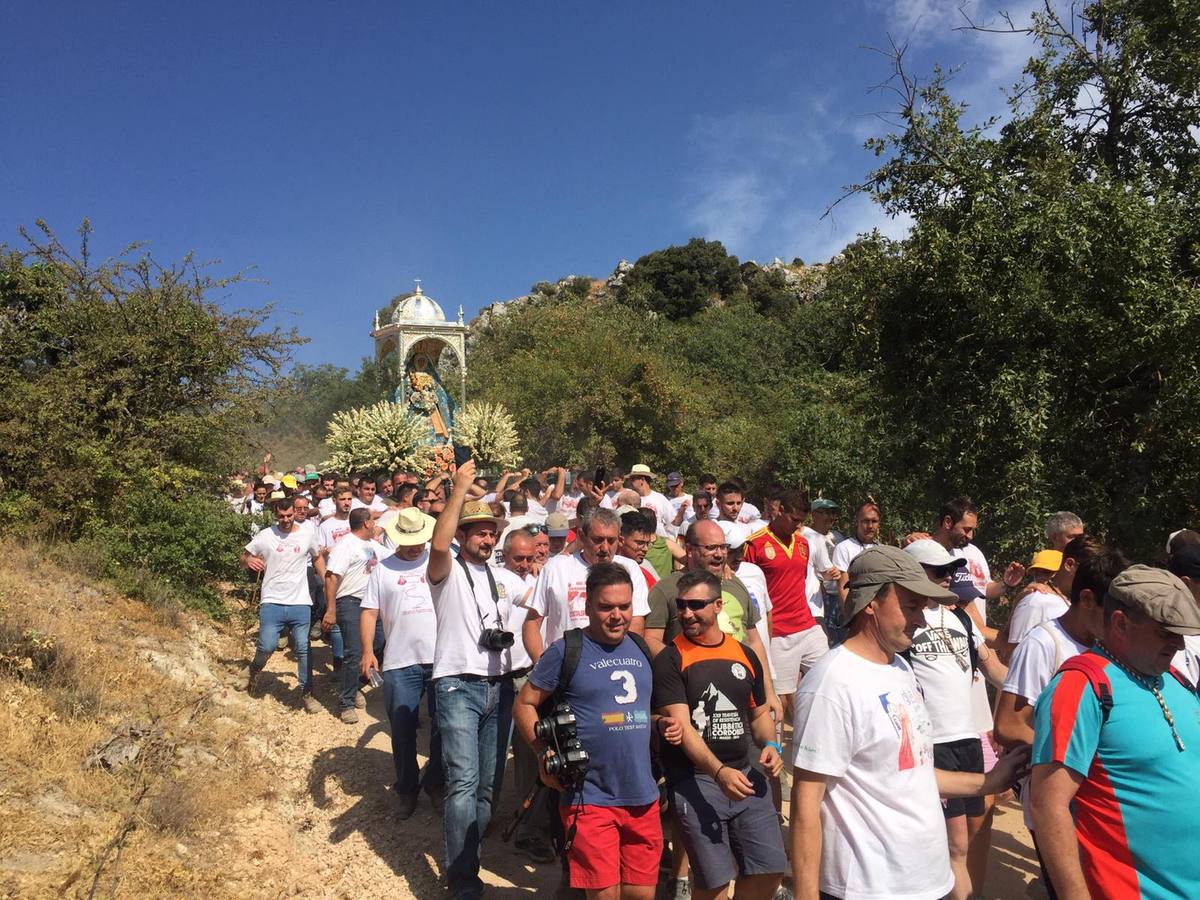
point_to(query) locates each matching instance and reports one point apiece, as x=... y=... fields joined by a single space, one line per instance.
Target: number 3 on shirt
x=628 y=686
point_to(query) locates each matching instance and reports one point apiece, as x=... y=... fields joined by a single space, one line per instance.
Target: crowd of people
x=639 y=653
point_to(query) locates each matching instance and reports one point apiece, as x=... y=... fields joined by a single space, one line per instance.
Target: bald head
x=518 y=551
x=629 y=497
x=706 y=547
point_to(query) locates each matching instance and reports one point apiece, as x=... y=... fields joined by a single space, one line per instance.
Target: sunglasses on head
x=535 y=530
x=682 y=603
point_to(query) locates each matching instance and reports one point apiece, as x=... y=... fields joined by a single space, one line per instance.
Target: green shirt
x=658 y=556
x=738 y=613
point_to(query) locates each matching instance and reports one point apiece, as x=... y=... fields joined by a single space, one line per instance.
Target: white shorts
x=795 y=654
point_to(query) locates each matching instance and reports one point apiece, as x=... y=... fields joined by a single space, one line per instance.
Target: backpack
x=1092 y=665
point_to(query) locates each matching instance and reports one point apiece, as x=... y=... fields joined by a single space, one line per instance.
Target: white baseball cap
x=929 y=552
x=735 y=533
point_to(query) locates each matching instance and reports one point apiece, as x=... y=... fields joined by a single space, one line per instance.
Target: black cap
x=1185 y=563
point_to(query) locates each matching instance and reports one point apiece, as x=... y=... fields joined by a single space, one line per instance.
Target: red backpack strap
x=1092 y=665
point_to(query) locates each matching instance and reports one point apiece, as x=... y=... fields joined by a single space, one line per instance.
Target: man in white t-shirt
x=1043 y=651
x=730 y=504
x=1043 y=600
x=957 y=523
x=281 y=553
x=1062 y=528
x=639 y=478
x=1184 y=564
x=346 y=572
x=328 y=506
x=471 y=663
x=823 y=575
x=956 y=527
x=866 y=822
x=533 y=833
x=867 y=520
x=699 y=508
x=398 y=606
x=681 y=504
x=368 y=499
x=336 y=526
x=568 y=503
x=560 y=594
x=613 y=485
x=948 y=657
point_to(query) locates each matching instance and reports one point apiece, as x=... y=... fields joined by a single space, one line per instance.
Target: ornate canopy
x=417 y=327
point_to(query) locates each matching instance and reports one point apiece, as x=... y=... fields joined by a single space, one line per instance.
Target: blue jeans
x=504 y=732
x=348 y=614
x=468 y=713
x=274 y=618
x=402 y=690
x=316 y=590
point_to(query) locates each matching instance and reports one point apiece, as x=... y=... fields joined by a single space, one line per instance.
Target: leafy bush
x=160 y=547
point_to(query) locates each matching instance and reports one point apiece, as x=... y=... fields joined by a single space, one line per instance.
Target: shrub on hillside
x=161 y=546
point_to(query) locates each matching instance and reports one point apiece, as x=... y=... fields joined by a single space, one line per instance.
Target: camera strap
x=491 y=584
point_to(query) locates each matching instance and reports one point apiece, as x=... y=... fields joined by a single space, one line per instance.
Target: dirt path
x=343 y=840
x=341 y=837
x=235 y=797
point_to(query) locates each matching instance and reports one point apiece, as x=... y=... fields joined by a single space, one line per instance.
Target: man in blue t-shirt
x=1116 y=752
x=618 y=836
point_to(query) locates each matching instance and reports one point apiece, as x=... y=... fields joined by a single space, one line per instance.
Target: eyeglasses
x=682 y=603
x=710 y=548
x=528 y=558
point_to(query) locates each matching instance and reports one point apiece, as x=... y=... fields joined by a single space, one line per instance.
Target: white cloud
x=748 y=163
x=819 y=237
x=757 y=171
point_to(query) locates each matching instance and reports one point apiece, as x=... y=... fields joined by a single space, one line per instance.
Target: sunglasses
x=682 y=603
x=527 y=558
x=535 y=530
x=942 y=571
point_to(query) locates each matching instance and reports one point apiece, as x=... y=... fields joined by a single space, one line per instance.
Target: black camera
x=557 y=728
x=495 y=639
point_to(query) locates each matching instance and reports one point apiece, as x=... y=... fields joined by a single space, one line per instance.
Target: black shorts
x=960 y=756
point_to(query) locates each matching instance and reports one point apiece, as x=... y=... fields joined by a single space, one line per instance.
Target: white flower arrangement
x=489 y=430
x=382 y=437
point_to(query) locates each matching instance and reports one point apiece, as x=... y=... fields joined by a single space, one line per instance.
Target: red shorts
x=614 y=845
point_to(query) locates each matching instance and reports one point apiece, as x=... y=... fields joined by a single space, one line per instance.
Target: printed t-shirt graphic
x=720 y=685
x=786 y=569
x=610 y=695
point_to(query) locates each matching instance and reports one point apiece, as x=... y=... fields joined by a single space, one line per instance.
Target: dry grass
x=75 y=663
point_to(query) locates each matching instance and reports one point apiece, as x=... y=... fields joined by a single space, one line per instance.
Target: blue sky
x=345 y=149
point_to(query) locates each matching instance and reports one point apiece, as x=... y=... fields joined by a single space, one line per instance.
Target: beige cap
x=882 y=565
x=1158 y=594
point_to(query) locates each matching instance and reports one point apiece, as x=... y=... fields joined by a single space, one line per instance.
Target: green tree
x=681 y=281
x=1034 y=342
x=118 y=376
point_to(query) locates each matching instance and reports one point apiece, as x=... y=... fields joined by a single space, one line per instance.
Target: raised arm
x=440 y=558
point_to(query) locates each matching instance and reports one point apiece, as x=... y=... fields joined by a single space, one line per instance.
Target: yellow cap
x=1048 y=560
